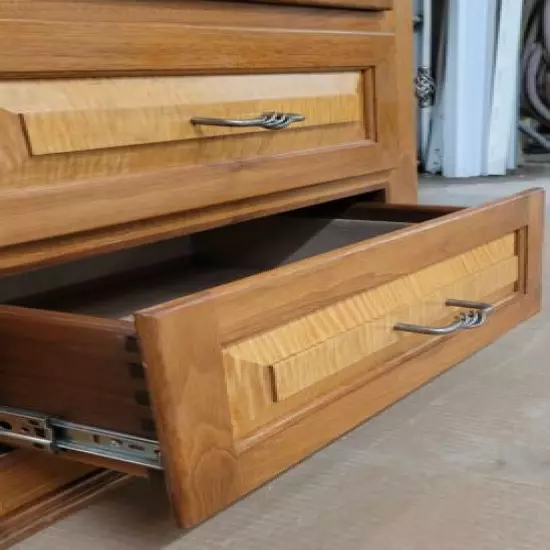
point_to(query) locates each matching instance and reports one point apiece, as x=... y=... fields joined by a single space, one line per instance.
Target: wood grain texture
x=272 y=346
x=403 y=187
x=188 y=386
x=52 y=507
x=276 y=364
x=73 y=367
x=295 y=290
x=70 y=115
x=196 y=13
x=89 y=166
x=83 y=205
x=360 y=395
x=357 y=4
x=13 y=147
x=89 y=189
x=45 y=252
x=300 y=436
x=273 y=419
x=532 y=252
x=295 y=373
x=26 y=476
x=186 y=337
x=173 y=49
x=263 y=399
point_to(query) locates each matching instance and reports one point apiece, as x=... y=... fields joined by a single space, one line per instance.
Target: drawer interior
x=213 y=258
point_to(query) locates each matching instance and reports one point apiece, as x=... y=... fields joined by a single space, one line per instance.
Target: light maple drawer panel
x=299 y=354
x=63 y=116
x=269 y=339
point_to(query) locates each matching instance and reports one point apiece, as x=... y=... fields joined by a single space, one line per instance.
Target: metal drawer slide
x=21 y=428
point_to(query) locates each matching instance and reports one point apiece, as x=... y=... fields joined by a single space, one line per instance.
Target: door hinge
x=21 y=428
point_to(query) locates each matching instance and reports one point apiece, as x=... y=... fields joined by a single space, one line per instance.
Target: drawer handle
x=269 y=121
x=476 y=317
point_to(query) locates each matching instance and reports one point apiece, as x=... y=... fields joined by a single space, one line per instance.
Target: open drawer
x=272 y=338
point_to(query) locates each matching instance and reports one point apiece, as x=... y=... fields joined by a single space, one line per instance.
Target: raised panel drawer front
x=65 y=116
x=270 y=338
x=216 y=107
x=97 y=149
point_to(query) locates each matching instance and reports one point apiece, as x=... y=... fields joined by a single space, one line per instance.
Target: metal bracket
x=22 y=428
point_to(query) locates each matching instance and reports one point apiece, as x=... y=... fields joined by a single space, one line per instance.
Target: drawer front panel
x=117 y=151
x=196 y=36
x=297 y=356
x=63 y=116
x=99 y=129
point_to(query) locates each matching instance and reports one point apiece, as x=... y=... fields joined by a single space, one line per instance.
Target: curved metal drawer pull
x=269 y=121
x=476 y=317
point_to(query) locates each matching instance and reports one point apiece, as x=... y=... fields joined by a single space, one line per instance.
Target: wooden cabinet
x=276 y=140
x=270 y=338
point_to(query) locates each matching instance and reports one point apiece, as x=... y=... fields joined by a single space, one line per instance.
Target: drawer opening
x=209 y=259
x=115 y=285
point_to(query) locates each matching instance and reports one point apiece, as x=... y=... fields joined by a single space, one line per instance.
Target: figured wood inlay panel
x=304 y=369
x=70 y=115
x=47 y=170
x=274 y=345
x=275 y=364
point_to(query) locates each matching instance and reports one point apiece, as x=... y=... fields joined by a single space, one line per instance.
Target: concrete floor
x=463 y=463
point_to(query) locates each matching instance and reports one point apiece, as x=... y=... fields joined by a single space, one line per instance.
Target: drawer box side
x=72 y=367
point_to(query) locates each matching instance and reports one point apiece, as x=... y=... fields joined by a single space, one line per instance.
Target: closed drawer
x=103 y=146
x=69 y=116
x=271 y=338
x=117 y=136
